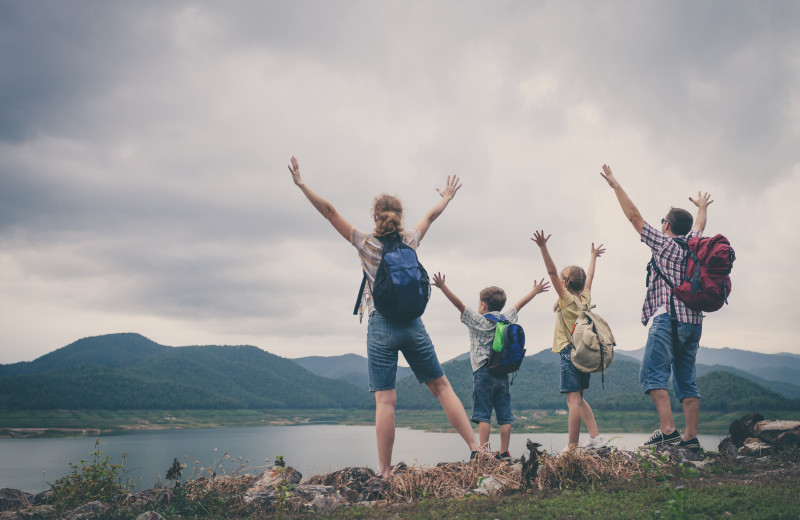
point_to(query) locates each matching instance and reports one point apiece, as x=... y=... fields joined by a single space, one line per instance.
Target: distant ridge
x=347 y=367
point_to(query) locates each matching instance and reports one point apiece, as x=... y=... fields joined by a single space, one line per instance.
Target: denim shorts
x=490 y=391
x=386 y=339
x=661 y=358
x=572 y=379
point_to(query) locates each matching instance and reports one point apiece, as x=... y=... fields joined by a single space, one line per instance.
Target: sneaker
x=691 y=445
x=660 y=438
x=502 y=456
x=595 y=443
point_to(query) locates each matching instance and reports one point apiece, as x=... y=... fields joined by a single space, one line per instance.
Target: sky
x=144 y=149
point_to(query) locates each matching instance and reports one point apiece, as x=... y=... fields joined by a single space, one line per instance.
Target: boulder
x=354 y=484
x=753 y=447
x=769 y=431
x=316 y=498
x=788 y=439
x=14 y=499
x=744 y=427
x=89 y=511
x=727 y=448
x=276 y=477
x=150 y=515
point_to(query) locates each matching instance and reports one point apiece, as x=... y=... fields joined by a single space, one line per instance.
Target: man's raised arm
x=630 y=210
x=702 y=202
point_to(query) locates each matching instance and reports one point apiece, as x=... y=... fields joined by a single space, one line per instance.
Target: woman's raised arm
x=447 y=195
x=323 y=206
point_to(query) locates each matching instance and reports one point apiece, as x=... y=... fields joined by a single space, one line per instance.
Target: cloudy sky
x=143 y=153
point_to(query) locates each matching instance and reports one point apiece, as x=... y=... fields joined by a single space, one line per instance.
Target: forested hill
x=127 y=371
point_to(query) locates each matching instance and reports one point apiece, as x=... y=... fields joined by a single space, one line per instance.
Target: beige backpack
x=593 y=341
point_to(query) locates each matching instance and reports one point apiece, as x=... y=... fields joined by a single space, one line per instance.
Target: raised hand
x=540 y=239
x=294 y=168
x=599 y=250
x=608 y=176
x=703 y=200
x=438 y=280
x=540 y=286
x=453 y=185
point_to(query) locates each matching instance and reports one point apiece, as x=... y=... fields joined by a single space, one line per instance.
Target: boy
x=488 y=390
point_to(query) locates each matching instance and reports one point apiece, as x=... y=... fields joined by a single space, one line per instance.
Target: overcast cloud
x=143 y=153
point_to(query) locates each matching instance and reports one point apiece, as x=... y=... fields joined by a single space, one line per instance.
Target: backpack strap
x=494 y=319
x=360 y=294
x=673 y=315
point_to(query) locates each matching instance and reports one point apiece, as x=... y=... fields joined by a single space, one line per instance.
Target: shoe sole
x=661 y=443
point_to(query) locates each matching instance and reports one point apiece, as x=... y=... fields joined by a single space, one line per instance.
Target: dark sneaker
x=502 y=456
x=659 y=439
x=691 y=445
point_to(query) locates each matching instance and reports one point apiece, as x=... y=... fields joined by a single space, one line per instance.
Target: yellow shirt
x=571 y=306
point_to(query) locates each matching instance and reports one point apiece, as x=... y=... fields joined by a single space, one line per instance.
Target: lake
x=30 y=464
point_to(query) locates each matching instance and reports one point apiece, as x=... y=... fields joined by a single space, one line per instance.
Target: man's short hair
x=680 y=221
x=494 y=298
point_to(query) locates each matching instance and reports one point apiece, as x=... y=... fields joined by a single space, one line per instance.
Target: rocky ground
x=756 y=450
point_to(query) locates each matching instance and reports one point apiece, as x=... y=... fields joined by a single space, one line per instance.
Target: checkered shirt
x=671 y=259
x=481 y=334
x=370 y=251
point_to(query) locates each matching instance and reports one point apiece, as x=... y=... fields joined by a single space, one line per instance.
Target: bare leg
x=691 y=411
x=484 y=428
x=660 y=398
x=453 y=409
x=588 y=418
x=505 y=437
x=385 y=401
x=574 y=401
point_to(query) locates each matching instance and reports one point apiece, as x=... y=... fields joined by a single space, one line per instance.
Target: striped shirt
x=481 y=334
x=370 y=251
x=671 y=259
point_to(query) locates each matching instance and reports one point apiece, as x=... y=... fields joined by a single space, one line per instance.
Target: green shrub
x=88 y=482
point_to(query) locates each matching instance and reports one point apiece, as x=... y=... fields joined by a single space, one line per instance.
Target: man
x=674 y=335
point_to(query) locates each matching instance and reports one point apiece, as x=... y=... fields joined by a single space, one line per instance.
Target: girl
x=574 y=287
x=385 y=338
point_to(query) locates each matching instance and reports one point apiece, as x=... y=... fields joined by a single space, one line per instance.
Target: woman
x=385 y=338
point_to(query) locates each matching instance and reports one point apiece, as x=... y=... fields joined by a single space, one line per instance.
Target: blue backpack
x=508 y=347
x=402 y=287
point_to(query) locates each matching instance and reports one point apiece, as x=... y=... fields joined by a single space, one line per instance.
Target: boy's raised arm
x=438 y=281
x=590 y=273
x=323 y=206
x=447 y=195
x=538 y=287
x=630 y=210
x=702 y=202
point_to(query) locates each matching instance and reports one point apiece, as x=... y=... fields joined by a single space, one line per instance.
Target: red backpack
x=708 y=282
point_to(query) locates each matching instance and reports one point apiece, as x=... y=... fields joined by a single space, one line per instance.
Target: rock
x=354 y=484
x=150 y=515
x=316 y=498
x=726 y=447
x=46 y=512
x=92 y=510
x=44 y=497
x=769 y=431
x=744 y=427
x=755 y=448
x=790 y=438
x=261 y=497
x=277 y=476
x=489 y=485
x=14 y=499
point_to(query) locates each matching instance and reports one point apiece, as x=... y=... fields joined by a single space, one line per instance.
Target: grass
x=55 y=423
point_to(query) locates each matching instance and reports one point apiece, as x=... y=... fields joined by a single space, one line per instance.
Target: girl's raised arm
x=590 y=273
x=323 y=206
x=555 y=278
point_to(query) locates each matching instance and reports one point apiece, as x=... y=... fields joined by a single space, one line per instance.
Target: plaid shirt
x=370 y=251
x=671 y=259
x=481 y=334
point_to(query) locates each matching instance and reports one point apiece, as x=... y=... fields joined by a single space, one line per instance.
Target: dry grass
x=578 y=467
x=450 y=479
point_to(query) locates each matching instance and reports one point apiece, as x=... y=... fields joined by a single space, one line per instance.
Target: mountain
x=348 y=367
x=113 y=350
x=536 y=386
x=131 y=372
x=777 y=369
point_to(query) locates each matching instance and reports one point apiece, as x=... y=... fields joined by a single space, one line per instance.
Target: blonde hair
x=388 y=212
x=575 y=277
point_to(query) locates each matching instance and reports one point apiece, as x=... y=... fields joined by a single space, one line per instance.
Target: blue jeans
x=385 y=339
x=572 y=379
x=662 y=358
x=490 y=391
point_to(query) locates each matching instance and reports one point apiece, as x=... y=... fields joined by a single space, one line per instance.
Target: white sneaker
x=594 y=443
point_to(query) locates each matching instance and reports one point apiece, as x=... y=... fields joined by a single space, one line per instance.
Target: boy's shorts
x=572 y=379
x=490 y=391
x=385 y=339
x=661 y=358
